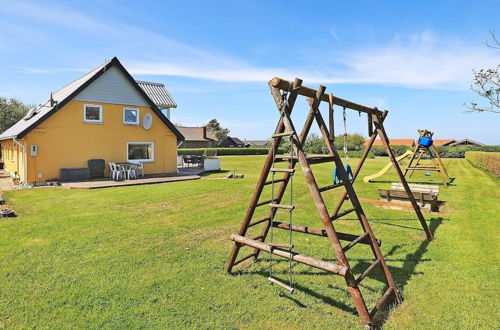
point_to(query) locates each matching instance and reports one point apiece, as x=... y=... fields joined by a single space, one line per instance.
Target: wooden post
x=381 y=131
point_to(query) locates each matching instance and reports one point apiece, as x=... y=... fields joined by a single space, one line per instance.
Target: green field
x=153 y=257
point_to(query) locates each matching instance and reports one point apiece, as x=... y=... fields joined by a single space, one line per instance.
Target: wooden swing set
x=285 y=94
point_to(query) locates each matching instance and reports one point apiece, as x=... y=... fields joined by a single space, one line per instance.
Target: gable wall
x=112 y=87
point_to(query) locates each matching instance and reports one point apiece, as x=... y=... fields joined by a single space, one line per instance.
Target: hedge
x=489 y=161
x=226 y=151
x=444 y=152
x=459 y=151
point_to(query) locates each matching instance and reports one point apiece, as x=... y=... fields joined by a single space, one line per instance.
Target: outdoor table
x=127 y=166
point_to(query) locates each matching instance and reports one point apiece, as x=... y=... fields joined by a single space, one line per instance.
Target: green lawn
x=153 y=256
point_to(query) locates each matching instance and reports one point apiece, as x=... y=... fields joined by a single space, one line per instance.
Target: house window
x=141 y=151
x=92 y=113
x=130 y=116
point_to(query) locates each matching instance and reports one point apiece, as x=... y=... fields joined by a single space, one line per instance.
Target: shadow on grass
x=401 y=275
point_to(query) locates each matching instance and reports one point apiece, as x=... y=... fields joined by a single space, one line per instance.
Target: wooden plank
x=280 y=284
x=381 y=301
x=264 y=203
x=330 y=187
x=356 y=241
x=367 y=271
x=313 y=262
x=275 y=181
x=282 y=206
x=309 y=92
x=283 y=134
x=283 y=170
x=258 y=221
x=341 y=214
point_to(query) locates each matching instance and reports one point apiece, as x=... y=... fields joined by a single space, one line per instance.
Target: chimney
x=204 y=129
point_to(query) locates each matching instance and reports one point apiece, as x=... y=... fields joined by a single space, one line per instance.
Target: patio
x=148 y=179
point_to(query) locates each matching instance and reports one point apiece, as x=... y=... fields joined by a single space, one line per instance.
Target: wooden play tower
x=425 y=149
x=285 y=94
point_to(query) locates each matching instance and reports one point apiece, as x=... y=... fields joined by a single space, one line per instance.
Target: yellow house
x=104 y=114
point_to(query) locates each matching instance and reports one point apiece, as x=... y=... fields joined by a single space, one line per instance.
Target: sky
x=414 y=59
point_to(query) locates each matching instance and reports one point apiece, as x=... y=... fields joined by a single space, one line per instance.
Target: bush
x=380 y=150
x=459 y=151
x=489 y=161
x=226 y=151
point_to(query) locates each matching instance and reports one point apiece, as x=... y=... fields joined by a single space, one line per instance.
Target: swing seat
x=336 y=178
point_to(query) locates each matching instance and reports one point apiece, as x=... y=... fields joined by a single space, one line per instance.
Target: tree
x=11 y=111
x=354 y=142
x=219 y=132
x=487 y=84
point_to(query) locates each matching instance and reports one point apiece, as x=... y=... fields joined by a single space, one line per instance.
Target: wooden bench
x=425 y=195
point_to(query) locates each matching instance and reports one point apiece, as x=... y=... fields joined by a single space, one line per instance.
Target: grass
x=153 y=257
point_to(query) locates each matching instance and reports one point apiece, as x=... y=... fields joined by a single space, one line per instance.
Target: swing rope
x=348 y=169
x=345 y=138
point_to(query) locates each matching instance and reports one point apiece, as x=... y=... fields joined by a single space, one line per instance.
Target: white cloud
x=423 y=60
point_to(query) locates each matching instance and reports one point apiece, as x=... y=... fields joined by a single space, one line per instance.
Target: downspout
x=25 y=159
x=177 y=155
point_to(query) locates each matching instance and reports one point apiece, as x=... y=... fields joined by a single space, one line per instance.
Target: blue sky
x=414 y=59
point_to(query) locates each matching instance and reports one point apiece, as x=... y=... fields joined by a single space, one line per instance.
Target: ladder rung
x=281 y=284
x=275 y=181
x=283 y=134
x=356 y=241
x=258 y=221
x=367 y=271
x=286 y=170
x=265 y=203
x=245 y=258
x=332 y=186
x=341 y=214
x=282 y=206
x=281 y=245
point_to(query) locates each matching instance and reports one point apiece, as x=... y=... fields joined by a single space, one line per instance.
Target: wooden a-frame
x=433 y=154
x=285 y=128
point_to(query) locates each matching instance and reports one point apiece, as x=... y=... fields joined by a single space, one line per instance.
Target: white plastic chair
x=116 y=172
x=139 y=169
x=131 y=173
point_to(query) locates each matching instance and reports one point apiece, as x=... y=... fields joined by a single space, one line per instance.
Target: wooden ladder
x=342 y=268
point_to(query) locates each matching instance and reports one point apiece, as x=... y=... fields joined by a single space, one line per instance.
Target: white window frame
x=12 y=152
x=138 y=116
x=142 y=160
x=92 y=121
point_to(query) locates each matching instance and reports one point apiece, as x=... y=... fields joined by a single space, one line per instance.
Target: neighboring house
x=104 y=114
x=442 y=142
x=465 y=142
x=258 y=143
x=394 y=142
x=436 y=142
x=197 y=137
x=232 y=142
